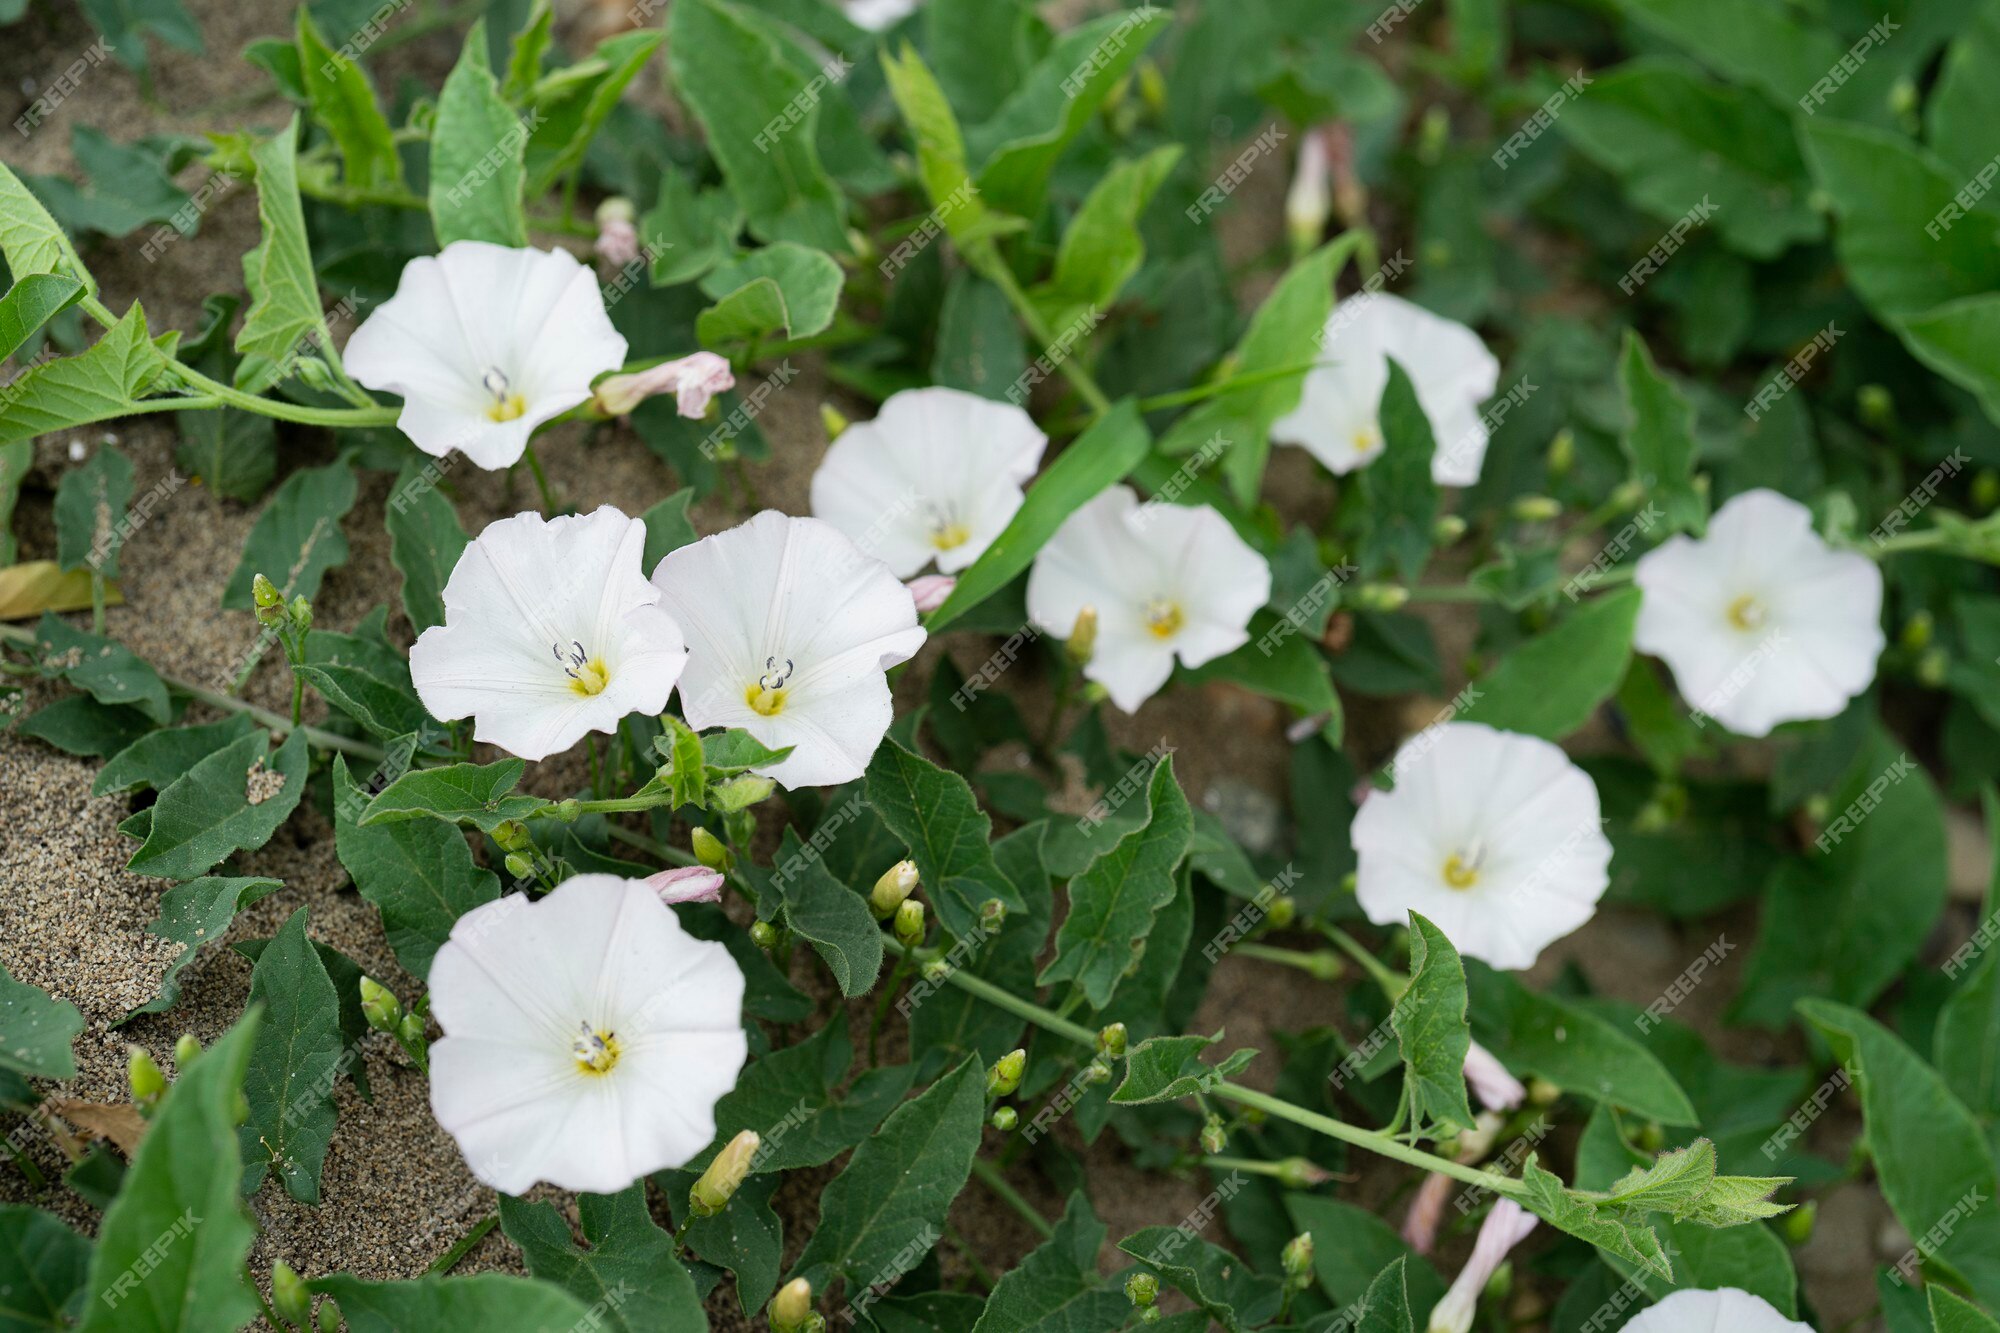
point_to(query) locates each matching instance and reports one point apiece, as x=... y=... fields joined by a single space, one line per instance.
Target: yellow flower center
x=506 y=409
x=1746 y=612
x=766 y=695
x=1458 y=873
x=595 y=1051
x=1364 y=439
x=587 y=674
x=948 y=536
x=1164 y=618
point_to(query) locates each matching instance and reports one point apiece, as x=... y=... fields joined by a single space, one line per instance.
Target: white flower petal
x=1727 y=1310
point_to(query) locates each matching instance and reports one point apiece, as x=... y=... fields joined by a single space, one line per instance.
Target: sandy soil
x=72 y=920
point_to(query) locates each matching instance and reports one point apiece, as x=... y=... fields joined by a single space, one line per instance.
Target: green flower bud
x=1536 y=508
x=1985 y=489
x=519 y=864
x=1541 y=1092
x=1380 y=597
x=1142 y=1289
x=329 y=1316
x=1152 y=87
x=1151 y=1315
x=717 y=1185
x=1214 y=1138
x=1005 y=1118
x=910 y=924
x=568 y=811
x=147 y=1082
x=1097 y=1071
x=1798 y=1224
x=1284 y=910
x=1876 y=406
x=833 y=420
x=1448 y=529
x=1347 y=883
x=992 y=915
x=1917 y=630
x=792 y=1307
x=315 y=373
x=301 y=613
x=1433 y=134
x=380 y=1006
x=764 y=935
x=1562 y=452
x=897 y=883
x=512 y=836
x=1005 y=1075
x=410 y=1032
x=937 y=971
x=1298 y=1258
x=264 y=594
x=1932 y=668
x=708 y=849
x=1298 y=1173
x=1111 y=1040
x=1817 y=807
x=289 y=1296
x=1651 y=1136
x=1081 y=645
x=186 y=1051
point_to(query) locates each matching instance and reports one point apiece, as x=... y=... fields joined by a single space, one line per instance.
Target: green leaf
x=1674 y=139
x=1659 y=441
x=1614 y=1230
x=1056 y=1288
x=425 y=542
x=941 y=161
x=1100 y=457
x=365 y=680
x=752 y=311
x=197 y=913
x=42 y=1265
x=833 y=918
x=788 y=1097
x=1386 y=1307
x=125 y=23
x=530 y=49
x=690 y=230
x=808 y=283
x=36 y=1032
x=155 y=760
x=419 y=873
x=668 y=528
x=81 y=725
x=100 y=382
x=90 y=505
x=746 y=1237
x=1223 y=1286
x=1398 y=488
x=734 y=74
x=232 y=452
x=936 y=816
x=573 y=104
x=476 y=794
x=284 y=319
x=1962 y=109
x=1352 y=1247
x=1431 y=1030
x=1166 y=1069
x=1552 y=684
x=1020 y=144
x=297 y=538
x=1285 y=332
x=979 y=345
x=1113 y=903
x=1102 y=247
x=32 y=302
x=1966 y=1048
x=1933 y=1164
x=208 y=812
x=477 y=148
x=890 y=1202
x=109 y=672
x=172 y=1245
x=15 y=461
x=343 y=101
x=626 y=1272
x=30 y=240
x=456 y=1304
x=1960 y=340
x=1571 y=1048
x=1843 y=921
x=294 y=1066
x=1955 y=1314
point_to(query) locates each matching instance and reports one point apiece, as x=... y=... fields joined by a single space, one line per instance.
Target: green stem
x=990 y=1176
x=1927 y=540
x=1392 y=982
x=541 y=480
x=1249 y=1166
x=1199 y=393
x=994 y=268
x=1012 y=1003
x=96 y=602
x=1373 y=1140
x=449 y=1259
x=671 y=855
x=1322 y=964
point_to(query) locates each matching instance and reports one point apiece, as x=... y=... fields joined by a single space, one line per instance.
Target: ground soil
x=396 y=1193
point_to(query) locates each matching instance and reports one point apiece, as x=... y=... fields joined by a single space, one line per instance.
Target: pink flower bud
x=1420 y=1228
x=1504 y=1228
x=617 y=234
x=1496 y=1089
x=930 y=590
x=693 y=380
x=687 y=884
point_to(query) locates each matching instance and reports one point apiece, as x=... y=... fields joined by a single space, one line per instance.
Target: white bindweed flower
x=1494 y=837
x=550 y=631
x=1727 y=1310
x=1165 y=581
x=791 y=629
x=1338 y=420
x=1761 y=621
x=1504 y=1228
x=877 y=15
x=587 y=1037
x=485 y=343
x=936 y=475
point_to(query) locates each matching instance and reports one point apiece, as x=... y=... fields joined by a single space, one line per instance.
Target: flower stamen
x=1746 y=612
x=587 y=675
x=1364 y=439
x=1164 y=618
x=1461 y=871
x=767 y=696
x=507 y=405
x=596 y=1052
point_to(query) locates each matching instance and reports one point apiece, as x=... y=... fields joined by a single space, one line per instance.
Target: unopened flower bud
x=1152 y=87
x=1297 y=1258
x=1151 y=1315
x=329 y=1317
x=717 y=1185
x=1004 y=1119
x=289 y=1296
x=1381 y=597
x=1213 y=1137
x=1562 y=453
x=792 y=1307
x=833 y=420
x=693 y=380
x=147 y=1082
x=1536 y=508
x=937 y=971
x=1284 y=909
x=1309 y=202
x=1299 y=1173
x=314 y=372
x=1097 y=1071
x=569 y=811
x=1933 y=667
x=1541 y=1092
x=519 y=864
x=1081 y=645
x=1985 y=489
x=910 y=924
x=380 y=1006
x=1448 y=529
x=929 y=591
x=511 y=835
x=897 y=883
x=1005 y=1075
x=1917 y=630
x=1142 y=1288
x=1111 y=1040
x=763 y=934
x=410 y=1031
x=708 y=849
x=264 y=594
x=617 y=231
x=687 y=884
x=992 y=915
x=1798 y=1224
x=1651 y=1136
x=186 y=1051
